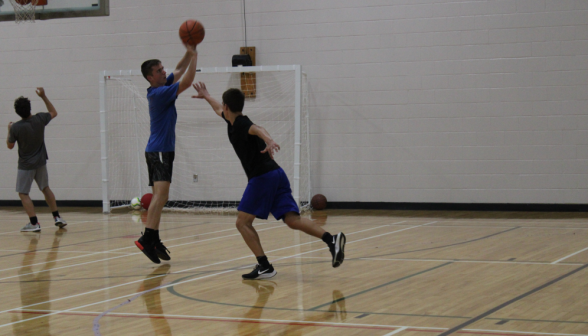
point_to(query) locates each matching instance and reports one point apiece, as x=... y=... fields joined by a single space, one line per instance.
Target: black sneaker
x=260 y=273
x=337 y=249
x=162 y=251
x=148 y=248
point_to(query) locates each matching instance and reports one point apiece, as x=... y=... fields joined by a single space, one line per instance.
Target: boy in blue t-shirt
x=268 y=189
x=160 y=149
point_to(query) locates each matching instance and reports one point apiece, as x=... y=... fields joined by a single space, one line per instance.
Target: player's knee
x=293 y=222
x=243 y=222
x=161 y=197
x=162 y=201
x=291 y=217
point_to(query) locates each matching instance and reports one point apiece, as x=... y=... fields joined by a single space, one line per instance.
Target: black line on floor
x=522 y=296
x=531 y=320
x=382 y=285
x=438 y=247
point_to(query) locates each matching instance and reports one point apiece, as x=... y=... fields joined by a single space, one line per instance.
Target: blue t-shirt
x=163 y=115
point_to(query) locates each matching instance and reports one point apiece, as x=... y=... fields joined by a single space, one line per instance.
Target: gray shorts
x=25 y=178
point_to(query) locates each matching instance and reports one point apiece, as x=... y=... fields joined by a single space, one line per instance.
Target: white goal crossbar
x=208 y=173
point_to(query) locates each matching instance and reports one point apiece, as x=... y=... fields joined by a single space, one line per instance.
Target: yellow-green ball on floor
x=136 y=203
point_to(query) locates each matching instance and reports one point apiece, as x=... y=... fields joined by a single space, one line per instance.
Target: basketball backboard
x=56 y=9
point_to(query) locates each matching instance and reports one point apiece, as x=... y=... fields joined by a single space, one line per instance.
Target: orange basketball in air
x=192 y=32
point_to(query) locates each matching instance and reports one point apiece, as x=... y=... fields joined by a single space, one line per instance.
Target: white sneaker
x=31 y=228
x=60 y=222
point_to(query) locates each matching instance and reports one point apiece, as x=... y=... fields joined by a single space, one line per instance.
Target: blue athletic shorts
x=267 y=193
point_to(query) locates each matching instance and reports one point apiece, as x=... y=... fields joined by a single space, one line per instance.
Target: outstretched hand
x=201 y=89
x=271 y=148
x=40 y=92
x=191 y=48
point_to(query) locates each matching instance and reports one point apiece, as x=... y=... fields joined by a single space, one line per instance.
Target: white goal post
x=207 y=175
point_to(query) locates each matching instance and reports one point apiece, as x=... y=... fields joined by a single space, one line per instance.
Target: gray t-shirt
x=30 y=136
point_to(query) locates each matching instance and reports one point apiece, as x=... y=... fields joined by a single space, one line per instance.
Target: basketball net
x=26 y=12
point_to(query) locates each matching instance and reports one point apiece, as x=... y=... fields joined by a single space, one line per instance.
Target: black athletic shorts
x=159 y=166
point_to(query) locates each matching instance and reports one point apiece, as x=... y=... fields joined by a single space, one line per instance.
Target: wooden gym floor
x=406 y=273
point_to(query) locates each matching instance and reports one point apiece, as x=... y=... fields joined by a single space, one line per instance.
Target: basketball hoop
x=24 y=10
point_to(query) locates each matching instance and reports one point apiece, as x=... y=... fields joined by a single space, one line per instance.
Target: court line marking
x=458 y=261
x=109 y=220
x=178 y=272
x=475 y=261
x=132 y=254
x=229 y=319
x=288 y=322
x=26 y=251
x=571 y=255
x=87 y=254
x=447 y=245
x=96 y=327
x=123 y=248
x=382 y=285
x=396 y=331
x=112 y=258
x=525 y=332
x=492 y=331
x=513 y=300
x=173 y=291
x=190 y=269
x=509 y=226
x=68 y=224
x=535 y=220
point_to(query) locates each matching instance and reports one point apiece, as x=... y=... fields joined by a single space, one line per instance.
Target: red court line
x=367 y=327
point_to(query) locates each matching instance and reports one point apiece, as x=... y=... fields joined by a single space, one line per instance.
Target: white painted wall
x=411 y=100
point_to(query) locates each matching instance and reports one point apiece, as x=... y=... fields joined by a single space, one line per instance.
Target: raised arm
x=270 y=145
x=203 y=94
x=41 y=93
x=188 y=78
x=9 y=144
x=183 y=64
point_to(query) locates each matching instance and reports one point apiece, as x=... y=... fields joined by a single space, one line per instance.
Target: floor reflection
x=34 y=287
x=152 y=300
x=319 y=217
x=335 y=313
x=264 y=289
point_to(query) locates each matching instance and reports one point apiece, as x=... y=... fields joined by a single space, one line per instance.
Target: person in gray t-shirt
x=29 y=133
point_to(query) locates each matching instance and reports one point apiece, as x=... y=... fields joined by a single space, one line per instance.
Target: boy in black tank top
x=268 y=189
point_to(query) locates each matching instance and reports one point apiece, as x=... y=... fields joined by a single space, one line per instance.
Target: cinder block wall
x=411 y=101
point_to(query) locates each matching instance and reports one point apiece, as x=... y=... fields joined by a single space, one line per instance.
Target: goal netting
x=207 y=175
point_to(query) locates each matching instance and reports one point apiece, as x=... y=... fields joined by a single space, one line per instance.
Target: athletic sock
x=150 y=234
x=327 y=238
x=263 y=261
x=34 y=220
x=55 y=214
